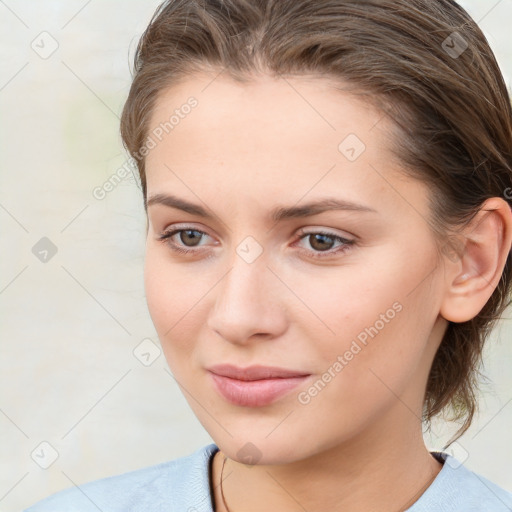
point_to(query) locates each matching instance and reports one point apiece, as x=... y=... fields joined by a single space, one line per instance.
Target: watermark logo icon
x=44 y=455
x=45 y=45
x=453 y=249
x=458 y=455
x=44 y=250
x=147 y=352
x=352 y=147
x=455 y=45
x=249 y=454
x=249 y=249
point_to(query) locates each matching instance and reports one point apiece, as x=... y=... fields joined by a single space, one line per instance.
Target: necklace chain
x=221 y=490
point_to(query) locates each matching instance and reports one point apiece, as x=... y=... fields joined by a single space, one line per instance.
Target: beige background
x=69 y=327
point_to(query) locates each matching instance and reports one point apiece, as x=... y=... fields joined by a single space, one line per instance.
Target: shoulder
x=176 y=485
x=458 y=489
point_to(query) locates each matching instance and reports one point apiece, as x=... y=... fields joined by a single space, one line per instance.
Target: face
x=347 y=294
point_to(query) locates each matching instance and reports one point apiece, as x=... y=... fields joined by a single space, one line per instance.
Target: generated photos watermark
x=357 y=346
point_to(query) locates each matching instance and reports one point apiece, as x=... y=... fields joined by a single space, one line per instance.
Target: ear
x=473 y=277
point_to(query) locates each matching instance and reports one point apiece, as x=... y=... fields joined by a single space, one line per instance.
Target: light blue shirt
x=183 y=485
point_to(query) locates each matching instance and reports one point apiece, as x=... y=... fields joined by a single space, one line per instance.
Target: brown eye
x=323 y=245
x=321 y=242
x=186 y=242
x=190 y=237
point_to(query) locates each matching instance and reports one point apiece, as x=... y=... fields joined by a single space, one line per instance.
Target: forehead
x=283 y=118
x=268 y=137
x=299 y=108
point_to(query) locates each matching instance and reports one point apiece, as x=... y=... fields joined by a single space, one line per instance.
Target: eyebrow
x=278 y=214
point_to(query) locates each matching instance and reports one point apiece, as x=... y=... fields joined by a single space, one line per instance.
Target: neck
x=384 y=469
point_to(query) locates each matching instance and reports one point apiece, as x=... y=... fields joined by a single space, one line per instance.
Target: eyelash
x=166 y=236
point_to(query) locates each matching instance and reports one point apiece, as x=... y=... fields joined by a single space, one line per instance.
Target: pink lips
x=254 y=386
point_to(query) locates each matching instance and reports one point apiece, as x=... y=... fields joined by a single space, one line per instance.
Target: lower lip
x=255 y=393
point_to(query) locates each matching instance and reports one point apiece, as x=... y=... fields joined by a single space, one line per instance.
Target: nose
x=248 y=303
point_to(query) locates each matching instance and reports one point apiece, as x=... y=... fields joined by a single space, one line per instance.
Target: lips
x=255 y=386
x=256 y=372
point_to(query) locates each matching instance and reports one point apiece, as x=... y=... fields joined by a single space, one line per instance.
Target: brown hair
x=424 y=62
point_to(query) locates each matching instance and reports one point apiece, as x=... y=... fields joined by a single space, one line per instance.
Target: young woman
x=328 y=187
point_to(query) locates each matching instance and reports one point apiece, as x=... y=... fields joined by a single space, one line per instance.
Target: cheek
x=171 y=289
x=175 y=296
x=157 y=288
x=369 y=362
x=344 y=301
x=164 y=295
x=377 y=320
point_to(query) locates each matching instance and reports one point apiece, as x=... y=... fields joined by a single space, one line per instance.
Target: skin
x=244 y=150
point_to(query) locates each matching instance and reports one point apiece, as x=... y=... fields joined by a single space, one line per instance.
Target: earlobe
x=473 y=279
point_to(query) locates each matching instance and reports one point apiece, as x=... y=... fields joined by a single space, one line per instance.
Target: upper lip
x=256 y=372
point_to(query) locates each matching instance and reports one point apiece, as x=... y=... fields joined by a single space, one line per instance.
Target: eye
x=187 y=236
x=322 y=243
